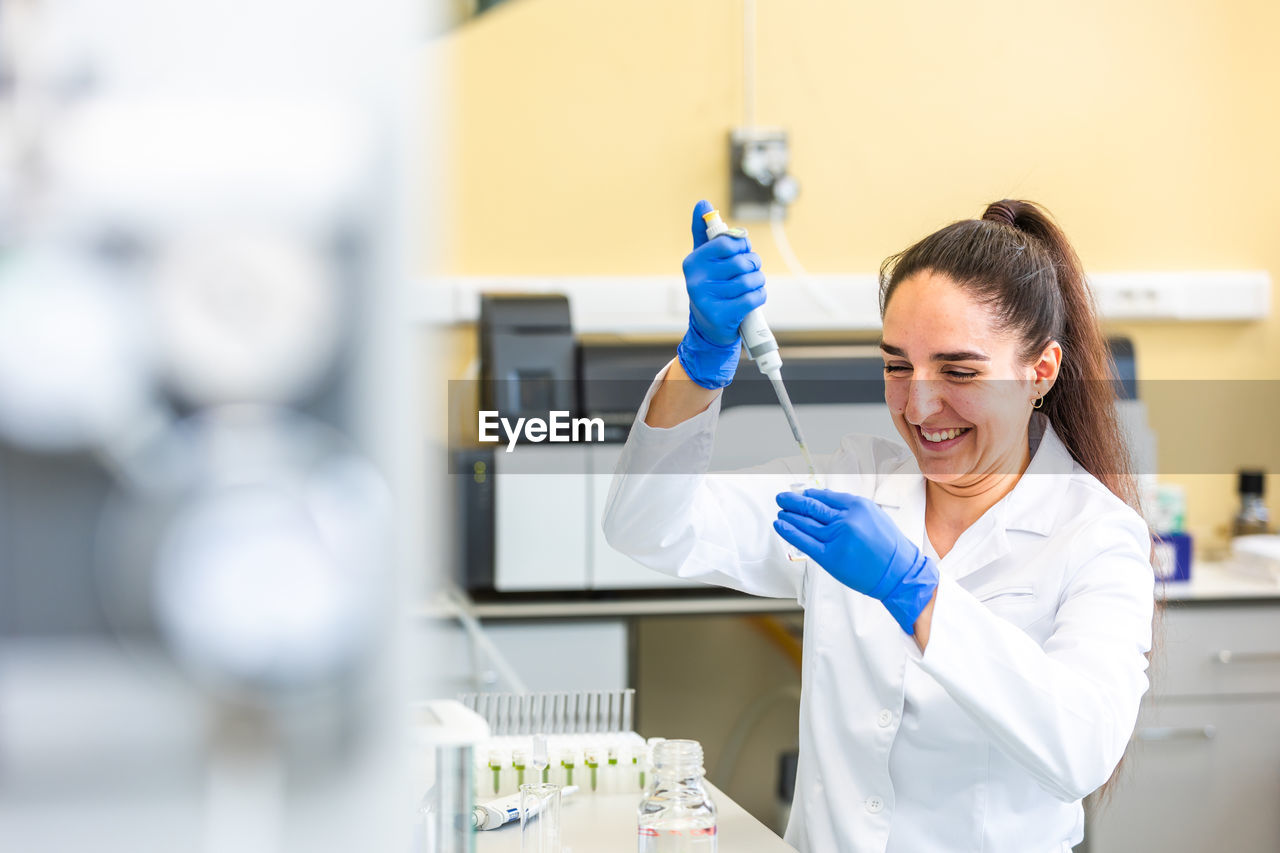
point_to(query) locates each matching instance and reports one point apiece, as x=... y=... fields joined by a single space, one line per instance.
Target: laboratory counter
x=1220 y=582
x=606 y=823
x=1210 y=582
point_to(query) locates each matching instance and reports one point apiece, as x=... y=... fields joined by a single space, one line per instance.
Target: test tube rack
x=554 y=713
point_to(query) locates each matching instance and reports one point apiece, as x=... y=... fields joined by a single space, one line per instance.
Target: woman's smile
x=939 y=440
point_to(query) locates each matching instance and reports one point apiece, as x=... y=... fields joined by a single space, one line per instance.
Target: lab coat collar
x=1029 y=507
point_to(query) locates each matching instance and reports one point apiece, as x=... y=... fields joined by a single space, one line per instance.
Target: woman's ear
x=1046 y=368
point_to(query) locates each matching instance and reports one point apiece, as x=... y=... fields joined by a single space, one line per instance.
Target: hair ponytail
x=1082 y=404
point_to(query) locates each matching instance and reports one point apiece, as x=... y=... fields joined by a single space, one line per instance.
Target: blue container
x=1173 y=557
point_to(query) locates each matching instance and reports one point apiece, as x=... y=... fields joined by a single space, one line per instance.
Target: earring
x=1038 y=403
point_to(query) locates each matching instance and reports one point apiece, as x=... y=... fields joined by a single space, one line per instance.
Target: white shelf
x=657 y=304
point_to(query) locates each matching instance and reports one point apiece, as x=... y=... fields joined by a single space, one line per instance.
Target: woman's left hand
x=860 y=546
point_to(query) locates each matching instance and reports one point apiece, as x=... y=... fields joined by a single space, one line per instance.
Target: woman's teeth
x=944 y=435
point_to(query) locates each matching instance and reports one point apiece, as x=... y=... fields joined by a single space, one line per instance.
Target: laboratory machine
x=527 y=522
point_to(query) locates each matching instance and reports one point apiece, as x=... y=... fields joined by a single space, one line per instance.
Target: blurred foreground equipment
x=199 y=221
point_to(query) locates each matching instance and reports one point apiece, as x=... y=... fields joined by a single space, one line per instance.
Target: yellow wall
x=582 y=131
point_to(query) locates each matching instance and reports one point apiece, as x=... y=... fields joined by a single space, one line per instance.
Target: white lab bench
x=1209 y=582
x=1201 y=773
x=606 y=823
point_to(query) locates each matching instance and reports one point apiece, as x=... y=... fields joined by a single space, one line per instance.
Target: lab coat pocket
x=1017 y=605
x=1008 y=595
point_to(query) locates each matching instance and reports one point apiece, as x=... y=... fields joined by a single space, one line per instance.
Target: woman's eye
x=896 y=368
x=959 y=375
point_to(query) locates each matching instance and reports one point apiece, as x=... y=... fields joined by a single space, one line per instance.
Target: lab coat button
x=884 y=718
x=875 y=805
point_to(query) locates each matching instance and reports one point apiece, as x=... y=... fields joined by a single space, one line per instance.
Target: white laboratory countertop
x=1210 y=582
x=1220 y=582
x=606 y=823
x=674 y=605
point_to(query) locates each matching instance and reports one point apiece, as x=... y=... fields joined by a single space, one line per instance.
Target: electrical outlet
x=758 y=179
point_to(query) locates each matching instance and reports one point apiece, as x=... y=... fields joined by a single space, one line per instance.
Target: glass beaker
x=540 y=818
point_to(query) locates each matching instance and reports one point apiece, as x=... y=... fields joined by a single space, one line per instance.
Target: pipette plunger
x=763 y=348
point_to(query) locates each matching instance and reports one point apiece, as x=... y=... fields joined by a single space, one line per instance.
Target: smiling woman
x=977 y=603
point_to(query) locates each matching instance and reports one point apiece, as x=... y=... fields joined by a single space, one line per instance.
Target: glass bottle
x=676 y=814
x=1253 y=517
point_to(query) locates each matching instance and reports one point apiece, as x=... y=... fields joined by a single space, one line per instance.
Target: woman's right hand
x=725 y=283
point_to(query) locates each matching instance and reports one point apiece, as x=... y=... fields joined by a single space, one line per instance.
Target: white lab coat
x=1028 y=691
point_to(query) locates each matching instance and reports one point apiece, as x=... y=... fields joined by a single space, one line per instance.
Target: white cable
x=748 y=63
x=466 y=615
x=824 y=301
x=784 y=245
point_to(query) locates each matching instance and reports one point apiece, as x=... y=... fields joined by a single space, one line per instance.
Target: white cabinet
x=1203 y=770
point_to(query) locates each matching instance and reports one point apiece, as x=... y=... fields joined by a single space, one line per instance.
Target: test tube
x=794 y=554
x=567 y=766
x=632 y=775
x=611 y=774
x=591 y=760
x=509 y=785
x=541 y=765
x=537 y=722
x=519 y=761
x=493 y=779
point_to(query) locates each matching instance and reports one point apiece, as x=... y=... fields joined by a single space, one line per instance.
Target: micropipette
x=762 y=347
x=504 y=810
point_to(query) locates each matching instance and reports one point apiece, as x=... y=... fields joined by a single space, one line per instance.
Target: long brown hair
x=1017 y=261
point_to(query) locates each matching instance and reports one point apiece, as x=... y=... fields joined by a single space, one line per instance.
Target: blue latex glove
x=725 y=284
x=860 y=546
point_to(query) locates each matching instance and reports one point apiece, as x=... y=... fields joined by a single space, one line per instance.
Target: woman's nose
x=923 y=400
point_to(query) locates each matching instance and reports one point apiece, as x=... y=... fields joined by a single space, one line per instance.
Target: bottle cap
x=1252 y=482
